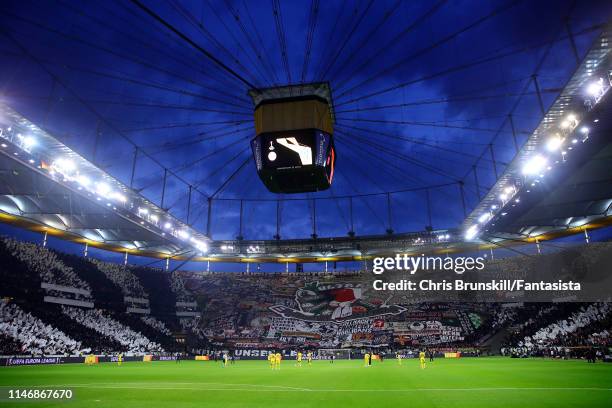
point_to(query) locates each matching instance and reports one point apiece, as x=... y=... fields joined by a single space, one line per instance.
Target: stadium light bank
x=543 y=160
x=35 y=147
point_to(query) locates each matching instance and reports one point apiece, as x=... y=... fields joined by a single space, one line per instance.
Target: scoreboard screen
x=295 y=161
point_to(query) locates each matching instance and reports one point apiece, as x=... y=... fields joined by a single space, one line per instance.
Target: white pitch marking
x=276 y=388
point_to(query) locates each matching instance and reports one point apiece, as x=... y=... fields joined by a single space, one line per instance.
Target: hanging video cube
x=294 y=148
x=295 y=161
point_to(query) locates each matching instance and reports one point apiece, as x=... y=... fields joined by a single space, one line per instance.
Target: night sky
x=420 y=90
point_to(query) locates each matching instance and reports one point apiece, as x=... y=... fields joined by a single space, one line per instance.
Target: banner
x=17 y=361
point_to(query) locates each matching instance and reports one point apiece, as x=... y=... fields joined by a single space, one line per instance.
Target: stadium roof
x=426 y=143
x=574 y=189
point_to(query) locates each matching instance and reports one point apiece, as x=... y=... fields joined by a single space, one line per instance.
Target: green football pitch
x=467 y=382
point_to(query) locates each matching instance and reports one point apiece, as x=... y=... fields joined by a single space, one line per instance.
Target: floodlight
x=595 y=88
x=119 y=197
x=484 y=217
x=102 y=188
x=83 y=180
x=200 y=246
x=471 y=232
x=64 y=165
x=534 y=165
x=29 y=141
x=554 y=143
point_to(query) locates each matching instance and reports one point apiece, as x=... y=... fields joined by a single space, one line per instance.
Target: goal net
x=338 y=354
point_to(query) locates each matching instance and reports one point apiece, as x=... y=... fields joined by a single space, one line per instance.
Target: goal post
x=338 y=354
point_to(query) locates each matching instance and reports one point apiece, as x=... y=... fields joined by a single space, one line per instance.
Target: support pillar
x=389 y=221
x=133 y=167
x=278 y=220
x=240 y=236
x=163 y=195
x=428 y=199
x=476 y=181
x=209 y=218
x=314 y=219
x=351 y=233
x=493 y=160
x=516 y=146
x=462 y=192
x=539 y=94
x=189 y=203
x=570 y=36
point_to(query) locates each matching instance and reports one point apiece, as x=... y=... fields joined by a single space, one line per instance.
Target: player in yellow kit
x=309 y=357
x=271 y=360
x=278 y=360
x=399 y=358
x=299 y=358
x=366 y=359
x=225 y=359
x=422 y=359
x=120 y=359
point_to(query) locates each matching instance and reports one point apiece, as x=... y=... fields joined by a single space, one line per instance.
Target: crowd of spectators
x=9 y=346
x=156 y=324
x=120 y=275
x=568 y=332
x=132 y=341
x=192 y=325
x=33 y=336
x=91 y=340
x=49 y=267
x=502 y=316
x=178 y=287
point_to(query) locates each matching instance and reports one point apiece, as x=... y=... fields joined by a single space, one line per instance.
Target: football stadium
x=305 y=203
